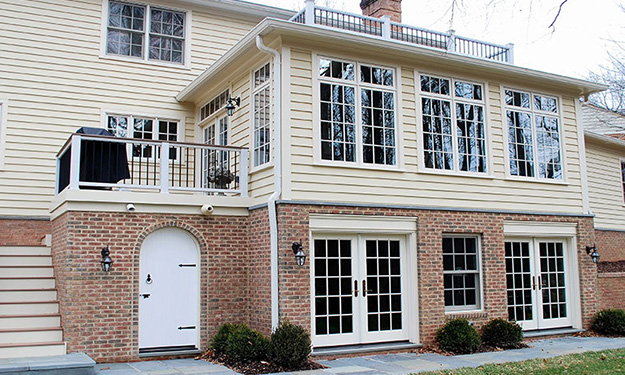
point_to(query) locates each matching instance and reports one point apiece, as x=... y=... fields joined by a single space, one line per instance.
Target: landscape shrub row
x=458 y=336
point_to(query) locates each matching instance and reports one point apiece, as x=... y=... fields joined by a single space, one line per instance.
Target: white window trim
x=621 y=178
x=419 y=117
x=257 y=168
x=504 y=124
x=480 y=279
x=4 y=111
x=145 y=59
x=104 y=114
x=316 y=100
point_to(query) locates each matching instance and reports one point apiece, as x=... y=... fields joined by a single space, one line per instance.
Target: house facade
x=422 y=175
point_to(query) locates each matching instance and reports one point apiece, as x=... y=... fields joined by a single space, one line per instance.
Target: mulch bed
x=260 y=367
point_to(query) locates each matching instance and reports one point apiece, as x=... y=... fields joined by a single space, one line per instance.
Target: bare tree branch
x=558 y=14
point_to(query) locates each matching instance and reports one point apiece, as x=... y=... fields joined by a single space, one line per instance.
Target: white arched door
x=169 y=292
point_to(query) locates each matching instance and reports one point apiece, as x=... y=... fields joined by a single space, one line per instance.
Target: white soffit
x=362 y=224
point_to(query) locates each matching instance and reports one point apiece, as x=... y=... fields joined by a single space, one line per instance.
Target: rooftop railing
x=389 y=30
x=110 y=163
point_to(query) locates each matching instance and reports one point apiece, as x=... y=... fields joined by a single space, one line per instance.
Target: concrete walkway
x=403 y=363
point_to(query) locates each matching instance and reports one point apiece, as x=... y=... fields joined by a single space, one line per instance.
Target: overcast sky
x=583 y=32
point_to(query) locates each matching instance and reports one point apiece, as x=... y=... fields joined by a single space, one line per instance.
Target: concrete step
x=25 y=250
x=27 y=283
x=32 y=307
x=25 y=260
x=34 y=349
x=29 y=321
x=27 y=295
x=24 y=336
x=70 y=364
x=26 y=271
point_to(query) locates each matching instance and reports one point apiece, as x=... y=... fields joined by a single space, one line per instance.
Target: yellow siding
x=409 y=186
x=55 y=81
x=605 y=185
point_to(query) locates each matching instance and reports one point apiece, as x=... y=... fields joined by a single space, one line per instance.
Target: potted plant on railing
x=221 y=177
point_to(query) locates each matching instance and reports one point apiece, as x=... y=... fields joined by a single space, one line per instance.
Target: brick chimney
x=379 y=8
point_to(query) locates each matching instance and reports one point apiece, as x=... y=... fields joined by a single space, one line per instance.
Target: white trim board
x=362 y=224
x=539 y=229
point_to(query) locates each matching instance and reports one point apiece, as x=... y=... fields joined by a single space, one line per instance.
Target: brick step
x=28 y=335
x=27 y=271
x=32 y=307
x=29 y=321
x=25 y=260
x=27 y=295
x=27 y=283
x=25 y=250
x=33 y=349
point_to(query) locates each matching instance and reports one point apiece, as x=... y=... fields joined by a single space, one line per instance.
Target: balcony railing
x=386 y=29
x=110 y=163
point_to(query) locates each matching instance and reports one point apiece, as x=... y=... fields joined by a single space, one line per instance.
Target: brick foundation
x=23 y=232
x=610 y=245
x=611 y=290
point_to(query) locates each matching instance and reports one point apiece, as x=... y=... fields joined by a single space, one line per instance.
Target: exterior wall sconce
x=592 y=250
x=300 y=255
x=106 y=261
x=232 y=104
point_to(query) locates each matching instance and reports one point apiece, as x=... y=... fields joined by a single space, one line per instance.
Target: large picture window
x=454 y=134
x=145 y=32
x=357 y=106
x=533 y=123
x=461 y=273
x=262 y=115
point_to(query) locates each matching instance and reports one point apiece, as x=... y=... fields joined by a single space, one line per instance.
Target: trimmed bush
x=609 y=322
x=458 y=336
x=501 y=333
x=218 y=342
x=246 y=345
x=290 y=346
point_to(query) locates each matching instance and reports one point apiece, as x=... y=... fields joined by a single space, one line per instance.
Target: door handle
x=355 y=288
x=533 y=282
x=145 y=295
x=540 y=284
x=364 y=288
x=149 y=280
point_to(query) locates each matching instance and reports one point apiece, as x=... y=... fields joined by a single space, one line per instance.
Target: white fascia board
x=604 y=139
x=321 y=33
x=243 y=7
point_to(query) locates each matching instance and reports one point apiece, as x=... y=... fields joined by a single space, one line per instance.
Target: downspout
x=277 y=173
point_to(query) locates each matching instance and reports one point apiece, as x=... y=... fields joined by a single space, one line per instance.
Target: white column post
x=309 y=12
x=74 y=169
x=510 y=59
x=386 y=27
x=451 y=41
x=164 y=168
x=244 y=172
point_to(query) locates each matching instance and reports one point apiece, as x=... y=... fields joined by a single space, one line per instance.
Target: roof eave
x=604 y=139
x=244 y=7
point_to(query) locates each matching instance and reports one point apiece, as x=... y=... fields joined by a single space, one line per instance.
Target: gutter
x=277 y=181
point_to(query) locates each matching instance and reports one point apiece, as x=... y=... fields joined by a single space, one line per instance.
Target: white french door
x=538 y=283
x=358 y=289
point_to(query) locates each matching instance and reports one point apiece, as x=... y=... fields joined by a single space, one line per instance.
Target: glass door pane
x=520 y=282
x=553 y=283
x=382 y=286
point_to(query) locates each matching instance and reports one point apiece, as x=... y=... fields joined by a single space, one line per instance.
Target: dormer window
x=145 y=32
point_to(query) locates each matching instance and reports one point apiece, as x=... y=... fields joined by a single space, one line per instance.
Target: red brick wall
x=295 y=281
x=611 y=290
x=100 y=310
x=23 y=232
x=260 y=271
x=610 y=245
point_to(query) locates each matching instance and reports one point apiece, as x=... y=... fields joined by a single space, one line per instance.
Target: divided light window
x=357 y=103
x=262 y=115
x=533 y=135
x=145 y=32
x=147 y=128
x=623 y=178
x=454 y=134
x=461 y=273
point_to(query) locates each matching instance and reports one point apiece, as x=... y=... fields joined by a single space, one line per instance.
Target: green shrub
x=502 y=334
x=458 y=336
x=609 y=322
x=218 y=342
x=290 y=346
x=246 y=345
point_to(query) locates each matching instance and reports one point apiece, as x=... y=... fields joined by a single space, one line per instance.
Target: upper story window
x=454 y=134
x=214 y=105
x=145 y=32
x=147 y=128
x=533 y=135
x=623 y=178
x=357 y=106
x=461 y=273
x=261 y=133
